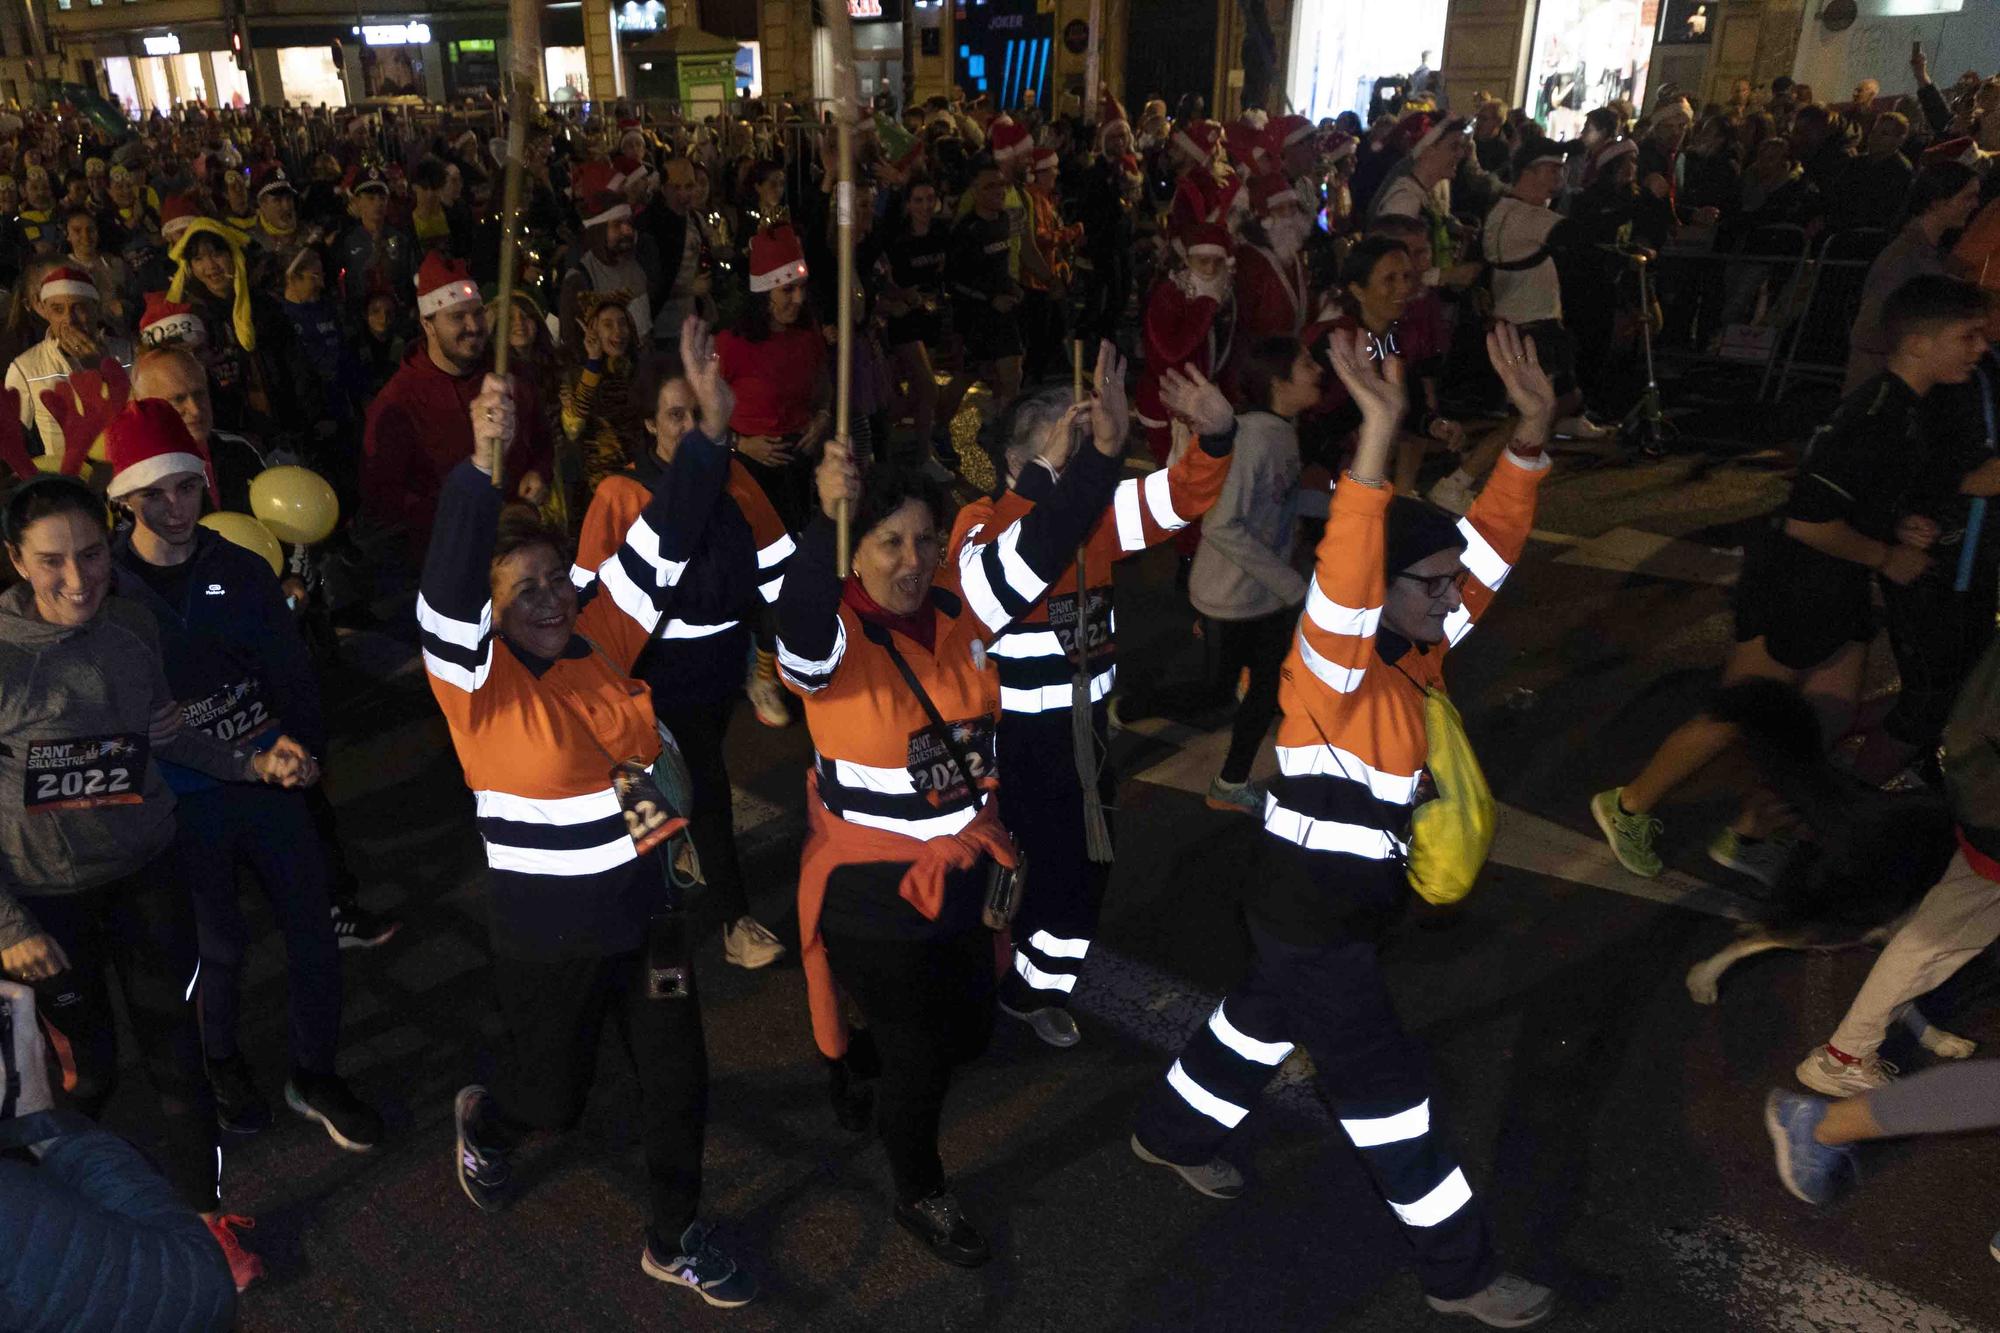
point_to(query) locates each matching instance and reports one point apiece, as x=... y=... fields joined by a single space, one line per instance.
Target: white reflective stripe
x=806 y=666
x=1056 y=948
x=776 y=551
x=1245 y=1045
x=645 y=543
x=459 y=633
x=769 y=591
x=867 y=777
x=1125 y=509
x=1024 y=581
x=1159 y=491
x=1326 y=835
x=1398 y=1128
x=1480 y=557
x=1020 y=643
x=1450 y=1196
x=1227 y=1114
x=1040 y=980
x=1340 y=679
x=1312 y=761
x=451 y=673
x=188 y=994
x=554 y=810
x=978 y=589
x=567 y=861
x=581 y=578
x=1047 y=698
x=1457 y=625
x=634 y=601
x=923 y=830
x=1334 y=618
x=680 y=629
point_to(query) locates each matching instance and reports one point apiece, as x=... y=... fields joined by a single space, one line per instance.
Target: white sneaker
x=1452 y=495
x=1507 y=1302
x=748 y=945
x=1581 y=427
x=1824 y=1073
x=1944 y=1045
x=767 y=699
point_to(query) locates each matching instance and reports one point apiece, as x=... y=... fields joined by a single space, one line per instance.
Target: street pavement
x=1613 y=1125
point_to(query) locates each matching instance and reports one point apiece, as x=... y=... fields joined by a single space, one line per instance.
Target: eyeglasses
x=1435 y=585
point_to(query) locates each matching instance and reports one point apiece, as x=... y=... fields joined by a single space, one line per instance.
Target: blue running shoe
x=1811 y=1170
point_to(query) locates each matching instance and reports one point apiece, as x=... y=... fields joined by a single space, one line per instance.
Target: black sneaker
x=482 y=1172
x=937 y=1222
x=239 y=1107
x=347 y=1120
x=355 y=927
x=703 y=1268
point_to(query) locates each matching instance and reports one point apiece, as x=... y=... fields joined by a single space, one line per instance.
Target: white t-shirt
x=1514 y=230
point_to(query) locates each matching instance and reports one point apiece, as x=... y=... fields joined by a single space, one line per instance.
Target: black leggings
x=929 y=1008
x=141 y=926
x=699 y=730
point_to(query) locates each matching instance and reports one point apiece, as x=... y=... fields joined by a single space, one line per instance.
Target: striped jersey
x=537 y=739
x=880 y=761
x=702 y=643
x=1036 y=650
x=1351 y=747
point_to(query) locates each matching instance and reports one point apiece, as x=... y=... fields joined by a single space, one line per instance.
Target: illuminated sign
x=395 y=34
x=169 y=45
x=864 y=9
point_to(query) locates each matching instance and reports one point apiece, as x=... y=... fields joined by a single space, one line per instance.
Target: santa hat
x=628 y=171
x=236 y=242
x=1008 y=139
x=1436 y=132
x=268 y=179
x=1197 y=139
x=1268 y=188
x=1109 y=109
x=590 y=178
x=169 y=321
x=1337 y=145
x=604 y=208
x=1962 y=149
x=1046 y=159
x=1286 y=131
x=1614 y=150
x=147 y=443
x=67 y=282
x=1210 y=239
x=443 y=283
x=776 y=259
x=177 y=212
x=1246 y=143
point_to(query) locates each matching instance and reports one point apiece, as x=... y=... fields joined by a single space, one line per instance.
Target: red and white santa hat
x=628 y=170
x=170 y=322
x=1046 y=159
x=1008 y=139
x=1246 y=143
x=443 y=283
x=776 y=259
x=1963 y=149
x=1269 y=189
x=147 y=443
x=178 y=213
x=1338 y=145
x=1286 y=131
x=1436 y=131
x=66 y=281
x=604 y=208
x=1197 y=139
x=1208 y=240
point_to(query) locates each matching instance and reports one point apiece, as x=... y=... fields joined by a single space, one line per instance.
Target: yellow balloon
x=295 y=503
x=249 y=534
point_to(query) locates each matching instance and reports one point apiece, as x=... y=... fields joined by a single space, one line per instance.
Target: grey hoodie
x=1243 y=568
x=69 y=683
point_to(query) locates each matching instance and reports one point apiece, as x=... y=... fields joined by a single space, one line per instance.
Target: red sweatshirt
x=420 y=427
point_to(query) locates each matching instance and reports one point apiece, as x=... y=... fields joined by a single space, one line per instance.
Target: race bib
x=84 y=773
x=934 y=771
x=1096 y=621
x=232 y=713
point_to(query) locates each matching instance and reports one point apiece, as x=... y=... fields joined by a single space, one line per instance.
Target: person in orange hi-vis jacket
x=1396 y=583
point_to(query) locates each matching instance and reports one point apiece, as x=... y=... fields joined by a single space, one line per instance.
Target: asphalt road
x=1613 y=1124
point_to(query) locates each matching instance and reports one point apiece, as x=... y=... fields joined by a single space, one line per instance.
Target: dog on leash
x=1864 y=859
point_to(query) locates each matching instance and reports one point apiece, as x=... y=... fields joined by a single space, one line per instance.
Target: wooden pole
x=1093 y=63
x=525 y=37
x=841 y=38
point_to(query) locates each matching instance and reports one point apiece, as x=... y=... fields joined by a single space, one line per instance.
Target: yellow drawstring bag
x=1451 y=833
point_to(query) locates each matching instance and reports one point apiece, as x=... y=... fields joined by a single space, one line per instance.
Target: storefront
x=309 y=76
x=1340 y=49
x=1586 y=53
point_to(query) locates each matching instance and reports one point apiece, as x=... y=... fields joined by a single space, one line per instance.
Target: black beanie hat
x=1416 y=530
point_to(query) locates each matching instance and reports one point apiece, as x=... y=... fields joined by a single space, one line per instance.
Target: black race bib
x=1096 y=621
x=232 y=713
x=85 y=772
x=934 y=772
